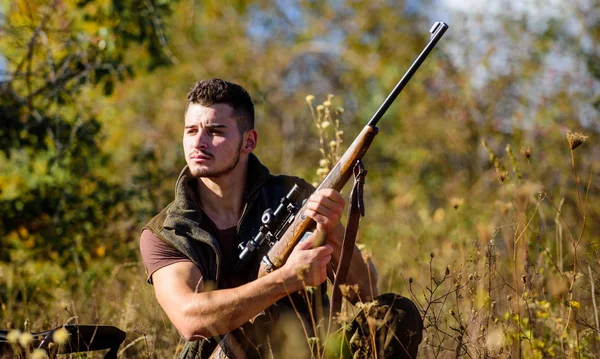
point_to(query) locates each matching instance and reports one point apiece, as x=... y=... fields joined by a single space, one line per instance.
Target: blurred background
x=482 y=193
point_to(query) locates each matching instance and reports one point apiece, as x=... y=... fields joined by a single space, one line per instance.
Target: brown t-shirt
x=157 y=254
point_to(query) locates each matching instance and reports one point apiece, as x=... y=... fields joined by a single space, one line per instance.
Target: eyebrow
x=208 y=125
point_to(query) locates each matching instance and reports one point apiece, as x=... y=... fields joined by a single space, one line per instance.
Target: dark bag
x=82 y=338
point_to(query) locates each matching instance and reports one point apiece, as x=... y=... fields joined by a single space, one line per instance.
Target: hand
x=307 y=266
x=325 y=207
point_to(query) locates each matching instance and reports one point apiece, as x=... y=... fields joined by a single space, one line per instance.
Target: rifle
x=285 y=227
x=296 y=225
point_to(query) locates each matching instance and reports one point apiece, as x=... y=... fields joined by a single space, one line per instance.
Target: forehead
x=219 y=112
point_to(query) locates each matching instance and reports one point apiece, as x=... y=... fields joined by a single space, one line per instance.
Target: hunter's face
x=211 y=140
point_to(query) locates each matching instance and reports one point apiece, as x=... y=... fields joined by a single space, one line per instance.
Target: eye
x=191 y=131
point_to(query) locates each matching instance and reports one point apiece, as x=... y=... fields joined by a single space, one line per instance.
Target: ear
x=250 y=140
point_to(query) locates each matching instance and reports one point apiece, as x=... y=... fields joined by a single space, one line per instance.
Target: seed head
x=25 y=340
x=327 y=103
x=410 y=280
x=345 y=289
x=39 y=354
x=301 y=272
x=447 y=271
x=322 y=171
x=343 y=317
x=366 y=306
x=60 y=336
x=501 y=175
x=575 y=139
x=13 y=336
x=63 y=304
x=323 y=162
x=575 y=304
x=325 y=124
x=456 y=202
x=320 y=108
x=431 y=255
x=526 y=151
x=309 y=99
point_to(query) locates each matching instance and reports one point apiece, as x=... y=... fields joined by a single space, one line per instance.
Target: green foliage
x=55 y=194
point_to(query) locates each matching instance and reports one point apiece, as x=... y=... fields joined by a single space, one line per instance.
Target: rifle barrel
x=437 y=31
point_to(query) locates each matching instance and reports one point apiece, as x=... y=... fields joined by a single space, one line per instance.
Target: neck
x=222 y=197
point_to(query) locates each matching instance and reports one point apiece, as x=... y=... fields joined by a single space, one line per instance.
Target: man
x=190 y=248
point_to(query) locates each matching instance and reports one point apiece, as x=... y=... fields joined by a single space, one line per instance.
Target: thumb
x=306 y=243
x=314 y=240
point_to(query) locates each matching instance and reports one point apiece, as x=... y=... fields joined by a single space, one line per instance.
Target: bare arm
x=198 y=314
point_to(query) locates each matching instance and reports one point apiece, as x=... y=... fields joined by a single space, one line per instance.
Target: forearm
x=198 y=314
x=207 y=314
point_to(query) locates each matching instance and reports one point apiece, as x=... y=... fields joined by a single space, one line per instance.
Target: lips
x=200 y=157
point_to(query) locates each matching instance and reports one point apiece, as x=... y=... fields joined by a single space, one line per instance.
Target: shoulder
x=157 y=254
x=156 y=223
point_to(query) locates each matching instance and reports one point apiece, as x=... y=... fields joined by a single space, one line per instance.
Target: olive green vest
x=178 y=224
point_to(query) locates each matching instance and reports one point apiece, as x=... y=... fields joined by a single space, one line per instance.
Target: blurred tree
x=56 y=195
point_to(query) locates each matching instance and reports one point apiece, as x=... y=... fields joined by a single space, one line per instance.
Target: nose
x=200 y=142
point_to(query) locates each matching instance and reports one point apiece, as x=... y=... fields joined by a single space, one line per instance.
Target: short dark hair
x=213 y=91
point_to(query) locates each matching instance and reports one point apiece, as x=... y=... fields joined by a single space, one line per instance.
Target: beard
x=218 y=172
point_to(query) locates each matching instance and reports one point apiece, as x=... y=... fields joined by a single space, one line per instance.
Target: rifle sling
x=356 y=210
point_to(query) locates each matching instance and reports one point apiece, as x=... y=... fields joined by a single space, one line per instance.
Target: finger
x=322 y=221
x=324 y=211
x=316 y=238
x=323 y=251
x=332 y=194
x=318 y=200
x=325 y=260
